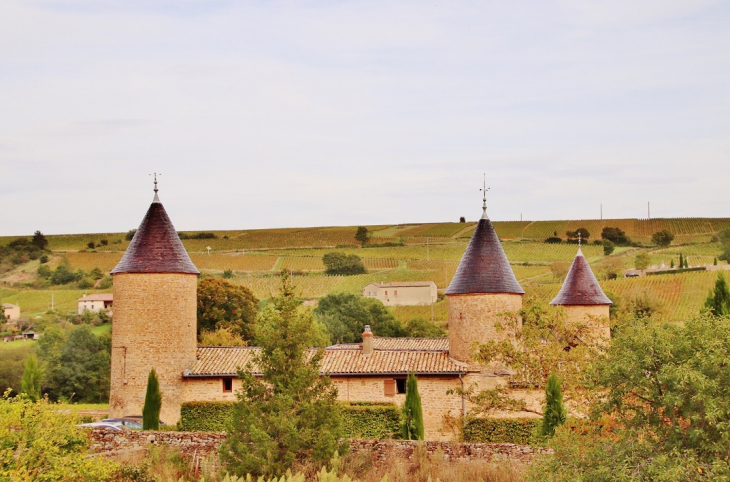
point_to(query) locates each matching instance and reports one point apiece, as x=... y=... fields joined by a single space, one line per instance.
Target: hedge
x=522 y=431
x=371 y=420
x=359 y=419
x=676 y=271
x=204 y=416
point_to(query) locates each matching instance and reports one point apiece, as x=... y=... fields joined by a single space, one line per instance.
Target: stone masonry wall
x=203 y=444
x=594 y=316
x=473 y=317
x=435 y=402
x=155 y=317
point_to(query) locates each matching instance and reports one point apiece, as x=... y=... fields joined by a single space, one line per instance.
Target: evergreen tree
x=555 y=412
x=718 y=301
x=362 y=235
x=152 y=403
x=291 y=412
x=412 y=412
x=681 y=261
x=30 y=383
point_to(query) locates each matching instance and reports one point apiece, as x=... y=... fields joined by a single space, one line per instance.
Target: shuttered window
x=390 y=387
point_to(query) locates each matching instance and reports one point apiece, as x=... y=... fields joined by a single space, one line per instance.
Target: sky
x=262 y=114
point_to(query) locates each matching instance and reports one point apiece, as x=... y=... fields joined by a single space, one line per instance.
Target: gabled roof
x=484 y=268
x=156 y=247
x=98 y=297
x=580 y=286
x=403 y=355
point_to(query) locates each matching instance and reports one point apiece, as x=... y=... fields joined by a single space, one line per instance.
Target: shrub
x=608 y=247
x=228 y=274
x=662 y=238
x=43 y=259
x=130 y=234
x=341 y=263
x=553 y=240
x=522 y=431
x=204 y=416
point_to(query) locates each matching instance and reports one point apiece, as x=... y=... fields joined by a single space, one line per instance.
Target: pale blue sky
x=310 y=113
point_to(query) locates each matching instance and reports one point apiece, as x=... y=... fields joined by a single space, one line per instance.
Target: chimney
x=367 y=341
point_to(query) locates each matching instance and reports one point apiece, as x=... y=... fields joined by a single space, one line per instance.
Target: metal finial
x=155 y=174
x=484 y=197
x=580 y=251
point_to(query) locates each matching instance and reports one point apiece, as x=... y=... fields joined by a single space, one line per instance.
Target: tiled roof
x=581 y=286
x=98 y=297
x=484 y=268
x=404 y=283
x=409 y=355
x=156 y=247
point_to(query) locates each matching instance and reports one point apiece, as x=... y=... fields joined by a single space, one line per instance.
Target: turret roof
x=156 y=246
x=581 y=286
x=484 y=268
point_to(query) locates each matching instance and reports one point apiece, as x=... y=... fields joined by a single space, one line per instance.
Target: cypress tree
x=718 y=300
x=412 y=412
x=681 y=261
x=672 y=263
x=152 y=403
x=555 y=412
x=30 y=383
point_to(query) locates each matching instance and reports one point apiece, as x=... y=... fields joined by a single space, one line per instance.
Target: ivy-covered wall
x=360 y=419
x=521 y=431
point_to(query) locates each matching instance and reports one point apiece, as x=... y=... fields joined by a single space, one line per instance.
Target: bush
x=204 y=416
x=553 y=240
x=608 y=247
x=130 y=234
x=341 y=263
x=43 y=259
x=662 y=238
x=615 y=235
x=521 y=431
x=228 y=274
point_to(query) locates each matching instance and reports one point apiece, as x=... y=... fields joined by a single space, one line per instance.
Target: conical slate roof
x=484 y=268
x=581 y=286
x=156 y=247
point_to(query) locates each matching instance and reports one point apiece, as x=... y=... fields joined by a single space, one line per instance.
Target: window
x=395 y=292
x=386 y=292
x=227 y=385
x=389 y=386
x=400 y=385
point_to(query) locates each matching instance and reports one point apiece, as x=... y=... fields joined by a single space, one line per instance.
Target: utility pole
x=426 y=248
x=51 y=301
x=601 y=211
x=648 y=209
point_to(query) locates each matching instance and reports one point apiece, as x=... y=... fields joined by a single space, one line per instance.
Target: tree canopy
x=222 y=304
x=615 y=235
x=336 y=262
x=662 y=238
x=362 y=235
x=345 y=316
x=718 y=300
x=291 y=412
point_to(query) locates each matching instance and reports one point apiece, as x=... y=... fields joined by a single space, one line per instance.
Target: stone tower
x=155 y=317
x=583 y=299
x=483 y=287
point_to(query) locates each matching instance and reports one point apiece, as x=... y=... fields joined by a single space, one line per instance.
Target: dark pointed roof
x=484 y=268
x=156 y=247
x=581 y=286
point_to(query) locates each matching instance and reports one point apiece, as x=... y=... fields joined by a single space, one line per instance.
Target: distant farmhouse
x=95 y=303
x=402 y=293
x=155 y=326
x=12 y=312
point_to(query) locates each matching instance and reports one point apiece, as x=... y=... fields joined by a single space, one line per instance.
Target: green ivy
x=522 y=431
x=368 y=420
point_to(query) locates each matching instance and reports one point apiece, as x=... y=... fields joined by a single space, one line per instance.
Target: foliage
x=339 y=263
x=222 y=304
x=371 y=420
x=662 y=238
x=12 y=361
x=724 y=238
x=553 y=240
x=642 y=260
x=63 y=275
x=718 y=300
x=30 y=382
x=39 y=241
x=204 y=416
x=501 y=430
x=362 y=235
x=221 y=337
x=130 y=234
x=555 y=412
x=76 y=365
x=583 y=232
x=37 y=443
x=608 y=247
x=152 y=403
x=423 y=328
x=462 y=219
x=291 y=412
x=412 y=412
x=345 y=316
x=615 y=235
x=228 y=274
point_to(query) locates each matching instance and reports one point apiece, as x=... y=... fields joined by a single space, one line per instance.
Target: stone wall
x=203 y=444
x=155 y=325
x=595 y=317
x=473 y=317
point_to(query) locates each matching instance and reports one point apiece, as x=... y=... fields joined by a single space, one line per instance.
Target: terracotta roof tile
x=414 y=355
x=98 y=297
x=580 y=286
x=156 y=247
x=484 y=268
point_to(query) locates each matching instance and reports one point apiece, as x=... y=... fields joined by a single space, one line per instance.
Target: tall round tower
x=583 y=299
x=155 y=317
x=483 y=287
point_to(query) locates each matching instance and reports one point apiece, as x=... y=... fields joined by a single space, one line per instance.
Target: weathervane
x=484 y=197
x=156 y=199
x=579 y=239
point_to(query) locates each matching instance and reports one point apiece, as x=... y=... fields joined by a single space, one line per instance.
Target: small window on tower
x=386 y=293
x=227 y=385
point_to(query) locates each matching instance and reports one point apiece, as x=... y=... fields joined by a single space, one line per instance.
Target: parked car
x=632 y=275
x=108 y=425
x=138 y=419
x=133 y=423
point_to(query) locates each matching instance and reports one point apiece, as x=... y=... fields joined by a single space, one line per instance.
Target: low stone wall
x=201 y=444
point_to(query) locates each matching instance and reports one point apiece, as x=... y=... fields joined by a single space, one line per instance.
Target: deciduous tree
x=345 y=316
x=642 y=260
x=341 y=263
x=362 y=235
x=662 y=238
x=222 y=304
